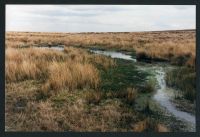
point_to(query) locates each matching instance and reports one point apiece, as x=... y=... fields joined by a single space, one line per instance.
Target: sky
x=99 y=18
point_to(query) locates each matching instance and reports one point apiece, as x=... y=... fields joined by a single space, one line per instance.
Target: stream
x=162 y=95
x=114 y=54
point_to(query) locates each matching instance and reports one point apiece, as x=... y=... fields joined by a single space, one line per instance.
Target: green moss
x=124 y=75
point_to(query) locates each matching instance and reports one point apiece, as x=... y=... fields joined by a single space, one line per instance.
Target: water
x=114 y=54
x=59 y=48
x=163 y=97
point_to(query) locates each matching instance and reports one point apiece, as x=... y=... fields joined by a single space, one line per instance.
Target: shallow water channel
x=162 y=95
x=114 y=54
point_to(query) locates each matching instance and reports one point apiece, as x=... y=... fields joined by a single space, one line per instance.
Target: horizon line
x=104 y=32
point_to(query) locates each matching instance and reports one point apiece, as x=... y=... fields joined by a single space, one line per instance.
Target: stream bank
x=163 y=95
x=175 y=118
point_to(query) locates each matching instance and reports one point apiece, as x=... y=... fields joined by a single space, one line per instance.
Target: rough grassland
x=178 y=47
x=74 y=90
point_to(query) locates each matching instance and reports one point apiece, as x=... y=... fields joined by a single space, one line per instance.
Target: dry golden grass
x=72 y=76
x=22 y=64
x=34 y=72
x=168 y=45
x=55 y=71
x=58 y=70
x=93 y=97
x=83 y=56
x=131 y=95
x=149 y=125
x=65 y=111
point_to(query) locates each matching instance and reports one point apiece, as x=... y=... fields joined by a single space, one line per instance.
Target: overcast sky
x=99 y=18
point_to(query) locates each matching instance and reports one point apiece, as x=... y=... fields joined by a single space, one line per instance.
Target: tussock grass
x=56 y=68
x=49 y=90
x=72 y=75
x=56 y=73
x=160 y=45
x=149 y=124
x=85 y=57
x=131 y=95
x=183 y=78
x=65 y=111
x=22 y=64
x=148 y=87
x=176 y=53
x=93 y=97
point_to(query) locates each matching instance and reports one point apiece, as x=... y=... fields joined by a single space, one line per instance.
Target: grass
x=28 y=63
x=158 y=45
x=122 y=76
x=22 y=64
x=183 y=78
x=148 y=87
x=65 y=111
x=71 y=76
x=59 y=85
x=58 y=90
x=131 y=95
x=93 y=97
x=75 y=90
x=151 y=125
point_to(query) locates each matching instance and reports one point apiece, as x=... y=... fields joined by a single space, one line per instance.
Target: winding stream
x=114 y=54
x=162 y=96
x=59 y=47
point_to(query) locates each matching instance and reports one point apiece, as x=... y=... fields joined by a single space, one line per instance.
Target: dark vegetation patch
x=184 y=79
x=144 y=57
x=122 y=76
x=180 y=60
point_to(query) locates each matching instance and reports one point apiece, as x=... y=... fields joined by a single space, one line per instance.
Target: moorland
x=72 y=88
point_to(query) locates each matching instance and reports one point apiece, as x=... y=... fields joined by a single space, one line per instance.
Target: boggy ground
x=75 y=90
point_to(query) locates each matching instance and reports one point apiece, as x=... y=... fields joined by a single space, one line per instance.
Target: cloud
x=99 y=18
